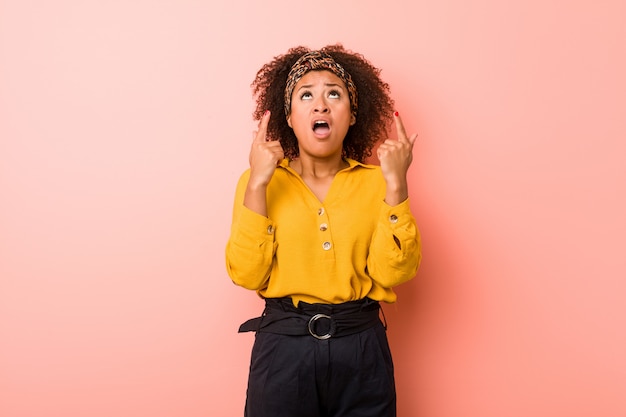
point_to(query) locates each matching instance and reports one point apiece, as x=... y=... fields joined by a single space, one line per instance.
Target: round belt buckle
x=312 y=322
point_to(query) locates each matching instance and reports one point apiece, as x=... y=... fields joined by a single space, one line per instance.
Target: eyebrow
x=325 y=85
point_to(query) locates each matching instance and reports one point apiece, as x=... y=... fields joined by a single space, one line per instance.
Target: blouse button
x=320 y=211
x=326 y=245
x=323 y=227
x=393 y=218
x=270 y=230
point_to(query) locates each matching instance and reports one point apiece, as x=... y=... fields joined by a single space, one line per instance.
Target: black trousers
x=302 y=376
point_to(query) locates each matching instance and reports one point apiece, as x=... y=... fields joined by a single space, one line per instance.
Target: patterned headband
x=318 y=60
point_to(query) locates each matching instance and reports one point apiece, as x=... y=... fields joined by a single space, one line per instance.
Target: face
x=320 y=114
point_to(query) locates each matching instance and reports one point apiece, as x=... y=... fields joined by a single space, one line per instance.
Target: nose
x=320 y=105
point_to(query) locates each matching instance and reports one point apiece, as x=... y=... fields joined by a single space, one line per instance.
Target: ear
x=352 y=119
x=289 y=121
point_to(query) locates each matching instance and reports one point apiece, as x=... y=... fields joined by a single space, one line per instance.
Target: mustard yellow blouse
x=348 y=247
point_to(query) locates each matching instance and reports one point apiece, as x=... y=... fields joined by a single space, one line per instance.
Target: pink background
x=124 y=126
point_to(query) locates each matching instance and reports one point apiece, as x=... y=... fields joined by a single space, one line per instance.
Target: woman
x=322 y=236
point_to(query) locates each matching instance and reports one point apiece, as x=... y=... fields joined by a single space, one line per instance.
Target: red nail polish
x=396 y=114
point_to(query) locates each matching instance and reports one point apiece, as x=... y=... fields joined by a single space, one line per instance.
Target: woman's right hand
x=264 y=155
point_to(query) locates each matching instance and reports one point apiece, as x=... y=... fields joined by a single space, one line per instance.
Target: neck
x=318 y=168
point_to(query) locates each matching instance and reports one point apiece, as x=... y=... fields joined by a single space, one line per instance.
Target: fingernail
x=396 y=114
x=266 y=113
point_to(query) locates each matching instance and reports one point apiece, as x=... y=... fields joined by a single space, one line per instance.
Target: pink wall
x=125 y=124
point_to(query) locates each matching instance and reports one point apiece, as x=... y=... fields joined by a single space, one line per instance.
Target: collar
x=352 y=164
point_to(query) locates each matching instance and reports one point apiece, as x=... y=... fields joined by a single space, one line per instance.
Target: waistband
x=321 y=321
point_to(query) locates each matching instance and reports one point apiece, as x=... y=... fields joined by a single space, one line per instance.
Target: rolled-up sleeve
x=251 y=246
x=395 y=251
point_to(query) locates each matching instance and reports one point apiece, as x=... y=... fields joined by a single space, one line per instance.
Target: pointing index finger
x=402 y=136
x=261 y=134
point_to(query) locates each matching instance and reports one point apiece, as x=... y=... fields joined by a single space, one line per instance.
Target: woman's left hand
x=395 y=156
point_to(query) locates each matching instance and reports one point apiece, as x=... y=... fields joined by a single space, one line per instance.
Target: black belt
x=321 y=321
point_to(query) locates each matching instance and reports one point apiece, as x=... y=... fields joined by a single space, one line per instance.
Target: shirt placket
x=325 y=236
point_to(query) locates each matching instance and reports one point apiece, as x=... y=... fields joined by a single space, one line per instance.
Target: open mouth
x=321 y=127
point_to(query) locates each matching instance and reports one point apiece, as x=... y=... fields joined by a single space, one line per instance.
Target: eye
x=306 y=96
x=334 y=94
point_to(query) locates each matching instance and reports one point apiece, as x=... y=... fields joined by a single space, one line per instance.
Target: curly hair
x=375 y=104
